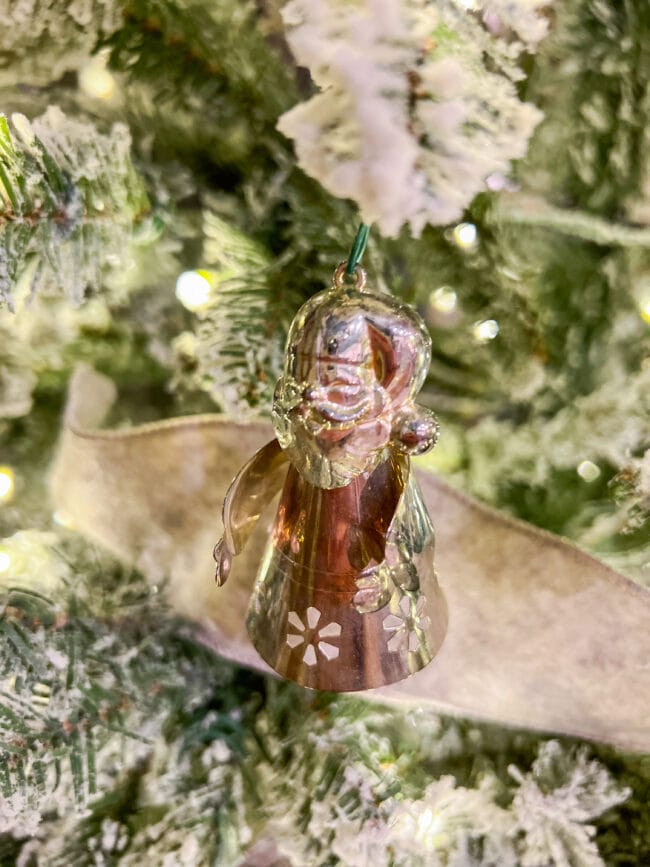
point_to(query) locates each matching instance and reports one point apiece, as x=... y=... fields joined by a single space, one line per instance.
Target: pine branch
x=86 y=694
x=223 y=44
x=204 y=77
x=591 y=80
x=533 y=210
x=70 y=199
x=235 y=352
x=43 y=39
x=111 y=706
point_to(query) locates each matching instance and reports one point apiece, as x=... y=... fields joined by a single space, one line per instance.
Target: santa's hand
x=415 y=430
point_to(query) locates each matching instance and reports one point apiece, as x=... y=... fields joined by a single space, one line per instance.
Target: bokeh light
x=465 y=236
x=7 y=484
x=588 y=471
x=95 y=79
x=443 y=300
x=485 y=330
x=193 y=289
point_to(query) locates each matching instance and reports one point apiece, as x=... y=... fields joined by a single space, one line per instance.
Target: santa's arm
x=251 y=491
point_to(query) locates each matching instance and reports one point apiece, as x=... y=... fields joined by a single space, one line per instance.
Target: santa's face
x=335 y=367
x=353 y=364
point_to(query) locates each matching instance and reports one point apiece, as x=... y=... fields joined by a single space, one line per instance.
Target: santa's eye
x=332 y=345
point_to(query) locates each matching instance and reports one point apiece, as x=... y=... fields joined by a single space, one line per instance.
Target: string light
x=644 y=309
x=7 y=484
x=193 y=289
x=5 y=561
x=443 y=300
x=429 y=829
x=588 y=471
x=94 y=78
x=63 y=519
x=641 y=288
x=486 y=330
x=465 y=236
x=41 y=693
x=425 y=821
x=28 y=558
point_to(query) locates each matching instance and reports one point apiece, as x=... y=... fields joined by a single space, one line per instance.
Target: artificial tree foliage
x=242 y=143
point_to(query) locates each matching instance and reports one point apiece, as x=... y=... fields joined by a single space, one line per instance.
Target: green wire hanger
x=358 y=248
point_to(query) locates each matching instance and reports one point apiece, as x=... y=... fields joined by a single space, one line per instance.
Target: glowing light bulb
x=443 y=300
x=588 y=471
x=193 y=289
x=7 y=484
x=486 y=330
x=465 y=236
x=95 y=79
x=41 y=693
x=425 y=821
x=63 y=519
x=5 y=561
x=644 y=308
x=428 y=829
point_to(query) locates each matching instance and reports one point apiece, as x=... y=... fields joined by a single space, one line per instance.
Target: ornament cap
x=343 y=278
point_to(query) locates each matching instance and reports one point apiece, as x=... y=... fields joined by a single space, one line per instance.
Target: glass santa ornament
x=346 y=597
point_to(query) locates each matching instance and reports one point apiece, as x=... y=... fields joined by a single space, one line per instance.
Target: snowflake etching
x=405 y=625
x=312 y=637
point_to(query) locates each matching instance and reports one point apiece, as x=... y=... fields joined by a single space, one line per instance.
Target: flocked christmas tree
x=176 y=178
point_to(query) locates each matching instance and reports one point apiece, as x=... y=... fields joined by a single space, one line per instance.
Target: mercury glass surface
x=354 y=363
x=347 y=596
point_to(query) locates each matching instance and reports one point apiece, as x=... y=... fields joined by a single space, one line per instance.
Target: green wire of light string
x=358 y=248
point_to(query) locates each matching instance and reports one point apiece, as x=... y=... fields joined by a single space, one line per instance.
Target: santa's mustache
x=341 y=402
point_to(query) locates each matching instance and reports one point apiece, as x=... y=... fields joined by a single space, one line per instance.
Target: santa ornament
x=346 y=597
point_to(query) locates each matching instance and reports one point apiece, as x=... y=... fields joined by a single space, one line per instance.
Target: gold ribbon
x=541 y=635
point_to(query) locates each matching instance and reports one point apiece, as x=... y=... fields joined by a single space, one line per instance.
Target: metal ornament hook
x=342 y=278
